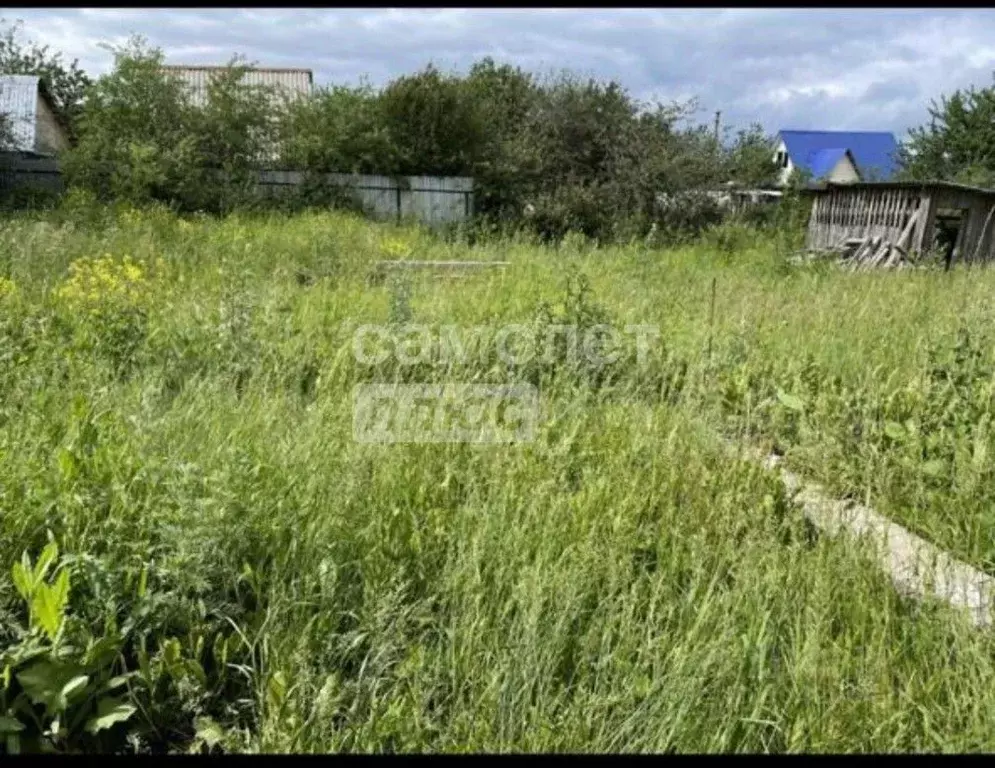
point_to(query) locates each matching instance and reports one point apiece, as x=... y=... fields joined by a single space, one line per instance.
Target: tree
x=236 y=133
x=135 y=141
x=958 y=143
x=339 y=130
x=502 y=98
x=749 y=161
x=234 y=126
x=432 y=125
x=142 y=138
x=581 y=135
x=66 y=83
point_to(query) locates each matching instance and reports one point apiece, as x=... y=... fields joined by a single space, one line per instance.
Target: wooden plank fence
x=428 y=199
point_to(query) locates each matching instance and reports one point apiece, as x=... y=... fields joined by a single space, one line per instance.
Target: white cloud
x=821 y=68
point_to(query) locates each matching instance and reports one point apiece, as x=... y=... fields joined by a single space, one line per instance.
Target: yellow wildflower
x=396 y=247
x=7 y=287
x=97 y=281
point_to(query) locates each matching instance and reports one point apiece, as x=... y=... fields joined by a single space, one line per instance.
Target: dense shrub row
x=550 y=154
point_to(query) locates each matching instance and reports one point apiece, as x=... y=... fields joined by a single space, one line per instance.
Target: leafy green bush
x=551 y=156
x=60 y=686
x=143 y=140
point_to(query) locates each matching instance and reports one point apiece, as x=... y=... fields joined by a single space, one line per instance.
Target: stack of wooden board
x=861 y=254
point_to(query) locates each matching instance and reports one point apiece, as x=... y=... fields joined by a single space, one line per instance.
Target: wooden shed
x=892 y=220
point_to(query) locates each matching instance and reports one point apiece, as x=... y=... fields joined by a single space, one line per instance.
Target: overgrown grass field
x=196 y=554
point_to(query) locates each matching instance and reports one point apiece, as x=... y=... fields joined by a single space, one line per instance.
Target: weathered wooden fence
x=428 y=199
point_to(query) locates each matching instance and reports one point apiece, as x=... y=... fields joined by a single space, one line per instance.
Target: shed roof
x=885 y=185
x=290 y=81
x=872 y=151
x=19 y=102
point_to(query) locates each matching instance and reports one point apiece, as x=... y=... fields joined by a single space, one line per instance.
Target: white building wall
x=785 y=173
x=844 y=172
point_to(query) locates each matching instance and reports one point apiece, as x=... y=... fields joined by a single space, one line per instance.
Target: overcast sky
x=817 y=69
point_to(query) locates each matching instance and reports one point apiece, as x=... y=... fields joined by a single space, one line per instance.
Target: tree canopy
x=958 y=143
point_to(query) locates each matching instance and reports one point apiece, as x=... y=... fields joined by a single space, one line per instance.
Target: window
x=782 y=159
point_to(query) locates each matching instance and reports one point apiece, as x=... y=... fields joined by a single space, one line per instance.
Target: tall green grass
x=617 y=584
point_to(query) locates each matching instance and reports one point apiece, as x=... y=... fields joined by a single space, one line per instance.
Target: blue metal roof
x=874 y=153
x=822 y=161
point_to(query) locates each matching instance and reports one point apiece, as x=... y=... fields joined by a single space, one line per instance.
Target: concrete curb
x=917 y=568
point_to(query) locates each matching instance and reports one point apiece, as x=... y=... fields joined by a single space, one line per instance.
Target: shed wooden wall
x=971 y=240
x=841 y=214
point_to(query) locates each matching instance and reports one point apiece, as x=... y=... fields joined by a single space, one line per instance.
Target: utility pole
x=717 y=116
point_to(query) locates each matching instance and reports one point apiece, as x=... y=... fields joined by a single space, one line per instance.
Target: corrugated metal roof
x=873 y=152
x=19 y=101
x=292 y=82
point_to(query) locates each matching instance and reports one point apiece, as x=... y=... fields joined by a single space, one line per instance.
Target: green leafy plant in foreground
x=59 y=685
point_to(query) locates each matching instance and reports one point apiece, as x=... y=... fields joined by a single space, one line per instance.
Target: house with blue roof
x=838 y=156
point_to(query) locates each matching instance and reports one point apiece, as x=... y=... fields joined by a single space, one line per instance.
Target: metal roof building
x=288 y=82
x=26 y=104
x=873 y=154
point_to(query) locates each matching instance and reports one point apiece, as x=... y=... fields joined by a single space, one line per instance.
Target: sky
x=818 y=69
